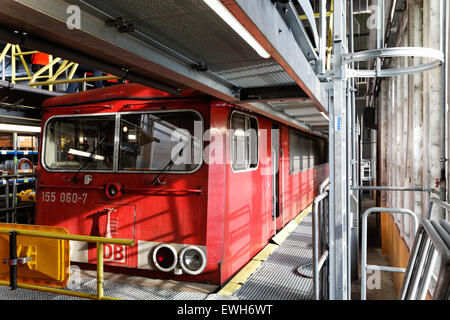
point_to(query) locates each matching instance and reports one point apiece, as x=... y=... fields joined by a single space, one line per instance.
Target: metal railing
x=320 y=242
x=364 y=265
x=99 y=241
x=51 y=76
x=432 y=240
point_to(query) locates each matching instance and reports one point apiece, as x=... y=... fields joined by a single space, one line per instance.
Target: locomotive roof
x=132 y=91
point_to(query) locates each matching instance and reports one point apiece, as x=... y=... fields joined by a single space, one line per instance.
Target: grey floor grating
x=277 y=278
x=121 y=290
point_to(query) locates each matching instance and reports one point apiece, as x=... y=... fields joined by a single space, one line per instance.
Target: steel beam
x=124 y=55
x=279 y=41
x=103 y=47
x=290 y=16
x=272 y=93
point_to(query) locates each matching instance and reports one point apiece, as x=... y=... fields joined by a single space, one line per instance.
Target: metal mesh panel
x=121 y=290
x=277 y=278
x=191 y=28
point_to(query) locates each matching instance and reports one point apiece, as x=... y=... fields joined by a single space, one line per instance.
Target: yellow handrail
x=330 y=36
x=100 y=241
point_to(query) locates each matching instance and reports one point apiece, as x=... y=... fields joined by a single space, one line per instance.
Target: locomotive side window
x=244 y=143
x=305 y=152
x=79 y=143
x=169 y=141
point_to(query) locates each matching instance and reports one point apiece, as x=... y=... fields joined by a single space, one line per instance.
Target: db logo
x=115 y=253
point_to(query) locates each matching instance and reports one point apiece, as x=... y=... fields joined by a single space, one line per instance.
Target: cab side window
x=244 y=143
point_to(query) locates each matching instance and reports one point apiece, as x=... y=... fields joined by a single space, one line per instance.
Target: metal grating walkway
x=120 y=290
x=277 y=277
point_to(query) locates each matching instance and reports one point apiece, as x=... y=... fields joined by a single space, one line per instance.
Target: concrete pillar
x=415 y=101
x=432 y=99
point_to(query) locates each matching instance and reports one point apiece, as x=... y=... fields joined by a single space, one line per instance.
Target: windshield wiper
x=168 y=166
x=85 y=162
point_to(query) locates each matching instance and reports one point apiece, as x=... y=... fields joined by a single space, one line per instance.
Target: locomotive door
x=114 y=221
x=275 y=151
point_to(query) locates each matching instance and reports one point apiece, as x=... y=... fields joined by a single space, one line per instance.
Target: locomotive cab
x=128 y=166
x=200 y=185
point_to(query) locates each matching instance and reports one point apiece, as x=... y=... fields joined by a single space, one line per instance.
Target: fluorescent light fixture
x=86 y=154
x=19 y=128
x=228 y=17
x=325 y=116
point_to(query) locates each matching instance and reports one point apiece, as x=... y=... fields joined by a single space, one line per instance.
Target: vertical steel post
x=332 y=269
x=443 y=46
x=13 y=64
x=322 y=35
x=354 y=228
x=99 y=270
x=13 y=260
x=338 y=187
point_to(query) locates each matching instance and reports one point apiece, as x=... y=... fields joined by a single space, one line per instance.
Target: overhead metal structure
x=172 y=45
x=176 y=44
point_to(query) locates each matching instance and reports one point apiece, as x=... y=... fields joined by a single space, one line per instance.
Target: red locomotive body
x=193 y=180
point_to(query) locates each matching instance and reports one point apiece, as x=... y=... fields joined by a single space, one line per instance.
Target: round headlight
x=165 y=257
x=192 y=260
x=113 y=190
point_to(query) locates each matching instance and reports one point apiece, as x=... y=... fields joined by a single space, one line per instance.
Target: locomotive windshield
x=169 y=141
x=80 y=142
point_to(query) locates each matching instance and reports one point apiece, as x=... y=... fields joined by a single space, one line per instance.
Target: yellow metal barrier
x=24 y=230
x=330 y=36
x=50 y=76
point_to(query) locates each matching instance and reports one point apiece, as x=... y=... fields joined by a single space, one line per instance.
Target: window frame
x=232 y=142
x=311 y=141
x=117 y=120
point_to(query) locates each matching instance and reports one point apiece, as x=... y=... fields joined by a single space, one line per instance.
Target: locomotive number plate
x=64 y=197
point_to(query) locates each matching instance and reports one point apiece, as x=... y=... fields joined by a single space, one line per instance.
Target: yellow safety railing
x=100 y=241
x=329 y=49
x=330 y=36
x=50 y=75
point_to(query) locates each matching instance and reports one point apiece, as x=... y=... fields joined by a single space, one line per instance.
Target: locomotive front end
x=129 y=168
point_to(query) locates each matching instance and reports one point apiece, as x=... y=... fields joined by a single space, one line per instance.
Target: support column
x=339 y=189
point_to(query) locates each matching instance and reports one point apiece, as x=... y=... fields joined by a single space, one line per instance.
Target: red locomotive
x=201 y=185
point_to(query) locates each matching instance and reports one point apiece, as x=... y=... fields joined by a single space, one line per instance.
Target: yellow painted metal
x=58 y=291
x=5 y=51
x=24 y=53
x=29 y=78
x=45 y=68
x=25 y=65
x=72 y=72
x=50 y=258
x=63 y=67
x=13 y=65
x=99 y=270
x=330 y=36
x=33 y=250
x=101 y=78
x=126 y=242
x=316 y=15
x=229 y=289
x=266 y=252
x=246 y=272
x=51 y=76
